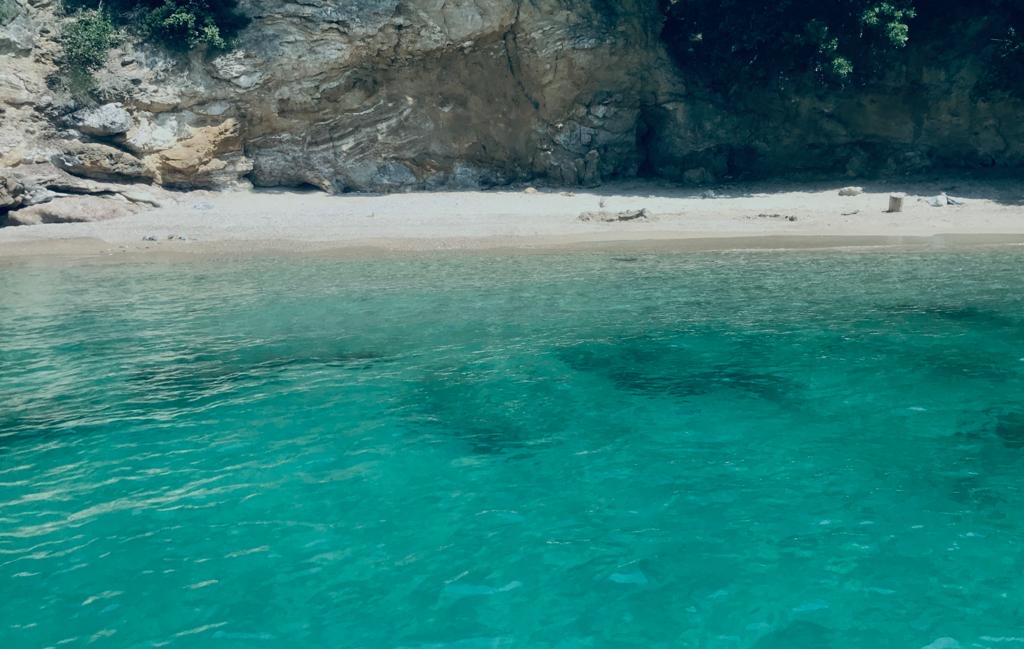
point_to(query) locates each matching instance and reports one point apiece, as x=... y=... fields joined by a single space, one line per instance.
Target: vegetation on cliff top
x=734 y=43
x=741 y=41
x=726 y=43
x=175 y=24
x=86 y=41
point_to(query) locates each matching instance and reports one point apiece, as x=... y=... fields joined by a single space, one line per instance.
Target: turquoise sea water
x=719 y=450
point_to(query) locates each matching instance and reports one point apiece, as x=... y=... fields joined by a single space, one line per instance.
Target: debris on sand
x=851 y=191
x=613 y=217
x=942 y=200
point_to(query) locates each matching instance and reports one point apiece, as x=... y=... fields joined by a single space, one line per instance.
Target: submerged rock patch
x=1009 y=428
x=648 y=367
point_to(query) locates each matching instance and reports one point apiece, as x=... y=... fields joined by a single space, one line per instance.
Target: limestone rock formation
x=12 y=192
x=108 y=119
x=211 y=156
x=70 y=209
x=16 y=28
x=153 y=133
x=27 y=49
x=380 y=95
x=36 y=177
x=100 y=162
x=15 y=89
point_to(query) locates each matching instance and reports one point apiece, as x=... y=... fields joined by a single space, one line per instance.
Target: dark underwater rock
x=1010 y=429
x=493 y=407
x=797 y=634
x=971 y=315
x=647 y=367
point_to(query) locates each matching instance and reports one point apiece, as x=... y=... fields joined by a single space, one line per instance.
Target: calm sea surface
x=721 y=450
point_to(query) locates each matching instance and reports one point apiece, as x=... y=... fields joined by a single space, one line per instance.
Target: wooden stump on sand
x=896 y=202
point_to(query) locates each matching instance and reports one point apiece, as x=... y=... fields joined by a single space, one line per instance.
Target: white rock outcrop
x=108 y=119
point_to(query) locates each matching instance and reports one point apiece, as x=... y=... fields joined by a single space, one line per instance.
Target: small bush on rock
x=189 y=24
x=86 y=41
x=732 y=42
x=180 y=25
x=174 y=24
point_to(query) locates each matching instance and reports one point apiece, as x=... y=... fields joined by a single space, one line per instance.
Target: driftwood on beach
x=614 y=217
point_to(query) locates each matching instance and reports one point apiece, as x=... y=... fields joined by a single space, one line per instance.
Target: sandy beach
x=754 y=216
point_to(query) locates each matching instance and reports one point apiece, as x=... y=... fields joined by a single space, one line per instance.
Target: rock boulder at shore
x=100 y=162
x=71 y=209
x=12 y=192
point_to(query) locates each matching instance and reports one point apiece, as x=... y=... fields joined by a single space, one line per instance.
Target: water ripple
x=721 y=450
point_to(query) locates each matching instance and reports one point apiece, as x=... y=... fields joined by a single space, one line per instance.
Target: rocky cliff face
x=384 y=95
x=925 y=115
x=368 y=95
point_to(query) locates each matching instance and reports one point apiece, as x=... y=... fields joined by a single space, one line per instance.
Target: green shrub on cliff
x=188 y=24
x=175 y=24
x=731 y=42
x=86 y=41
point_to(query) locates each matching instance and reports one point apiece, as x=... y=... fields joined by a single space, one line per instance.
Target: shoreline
x=94 y=250
x=754 y=217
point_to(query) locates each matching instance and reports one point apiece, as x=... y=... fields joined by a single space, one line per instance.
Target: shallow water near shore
x=715 y=450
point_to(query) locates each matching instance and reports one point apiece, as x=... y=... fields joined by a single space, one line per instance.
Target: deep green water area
x=711 y=450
